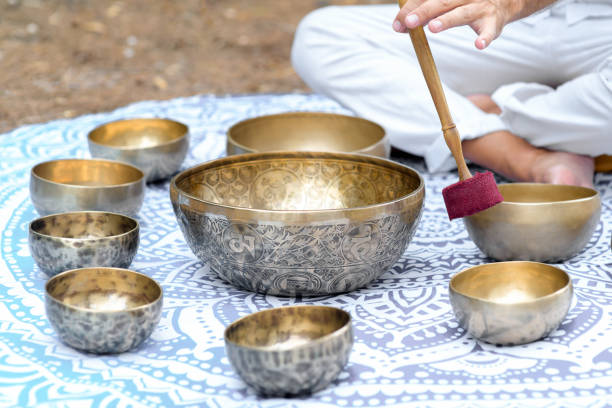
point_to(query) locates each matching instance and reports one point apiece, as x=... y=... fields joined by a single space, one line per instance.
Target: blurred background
x=64 y=58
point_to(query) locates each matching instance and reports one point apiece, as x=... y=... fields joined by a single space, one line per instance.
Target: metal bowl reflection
x=289 y=223
x=82 y=239
x=308 y=131
x=156 y=146
x=536 y=222
x=64 y=185
x=290 y=351
x=103 y=310
x=510 y=302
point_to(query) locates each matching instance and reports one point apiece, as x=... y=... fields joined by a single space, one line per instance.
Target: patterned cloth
x=409 y=350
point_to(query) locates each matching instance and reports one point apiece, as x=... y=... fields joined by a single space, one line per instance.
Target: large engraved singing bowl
x=308 y=131
x=66 y=185
x=510 y=303
x=156 y=146
x=298 y=223
x=536 y=222
x=289 y=351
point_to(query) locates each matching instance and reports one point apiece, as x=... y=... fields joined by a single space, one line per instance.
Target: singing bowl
x=65 y=241
x=308 y=131
x=536 y=222
x=66 y=185
x=156 y=146
x=510 y=303
x=290 y=351
x=298 y=223
x=103 y=310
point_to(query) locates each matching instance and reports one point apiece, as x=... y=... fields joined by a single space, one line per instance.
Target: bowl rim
x=137 y=181
x=329 y=336
x=176 y=140
x=567 y=286
x=97 y=311
x=247 y=157
x=594 y=194
x=136 y=228
x=315 y=114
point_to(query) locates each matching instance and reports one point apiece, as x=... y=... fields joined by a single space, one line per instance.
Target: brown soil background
x=64 y=58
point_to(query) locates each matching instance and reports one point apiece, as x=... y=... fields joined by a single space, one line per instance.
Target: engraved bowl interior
x=299 y=183
x=308 y=131
x=536 y=222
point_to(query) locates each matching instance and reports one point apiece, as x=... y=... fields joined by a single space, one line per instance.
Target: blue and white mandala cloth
x=409 y=350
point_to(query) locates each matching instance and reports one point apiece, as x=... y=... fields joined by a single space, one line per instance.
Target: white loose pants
x=551 y=78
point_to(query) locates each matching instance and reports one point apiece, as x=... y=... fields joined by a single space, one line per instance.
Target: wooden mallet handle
x=428 y=67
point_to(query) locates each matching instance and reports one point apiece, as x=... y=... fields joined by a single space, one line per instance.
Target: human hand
x=486 y=17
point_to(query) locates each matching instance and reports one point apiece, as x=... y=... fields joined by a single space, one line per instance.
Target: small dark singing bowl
x=66 y=185
x=103 y=310
x=536 y=222
x=308 y=131
x=156 y=146
x=290 y=351
x=75 y=240
x=289 y=223
x=510 y=303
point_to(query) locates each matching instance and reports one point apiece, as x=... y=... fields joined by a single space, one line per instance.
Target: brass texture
x=156 y=146
x=510 y=302
x=291 y=350
x=298 y=223
x=65 y=241
x=536 y=222
x=308 y=131
x=103 y=310
x=86 y=185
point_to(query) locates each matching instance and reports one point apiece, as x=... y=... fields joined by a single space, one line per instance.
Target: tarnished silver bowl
x=65 y=185
x=75 y=240
x=308 y=131
x=103 y=310
x=510 y=303
x=290 y=351
x=156 y=146
x=536 y=222
x=289 y=223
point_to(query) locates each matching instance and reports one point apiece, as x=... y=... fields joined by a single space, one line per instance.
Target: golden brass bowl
x=65 y=185
x=289 y=223
x=103 y=310
x=510 y=302
x=156 y=146
x=290 y=351
x=536 y=222
x=308 y=131
x=82 y=239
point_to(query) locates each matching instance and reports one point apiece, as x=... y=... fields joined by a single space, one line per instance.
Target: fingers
x=416 y=13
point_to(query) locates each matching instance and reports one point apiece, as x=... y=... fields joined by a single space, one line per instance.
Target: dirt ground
x=64 y=58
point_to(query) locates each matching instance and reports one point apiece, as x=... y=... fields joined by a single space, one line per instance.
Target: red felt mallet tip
x=472 y=195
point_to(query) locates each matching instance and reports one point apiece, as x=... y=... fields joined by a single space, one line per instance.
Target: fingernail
x=412 y=20
x=435 y=25
x=483 y=43
x=397 y=26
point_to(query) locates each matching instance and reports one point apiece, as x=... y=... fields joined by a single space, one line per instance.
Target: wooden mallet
x=471 y=194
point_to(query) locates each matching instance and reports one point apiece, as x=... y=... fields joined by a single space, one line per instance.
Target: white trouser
x=552 y=79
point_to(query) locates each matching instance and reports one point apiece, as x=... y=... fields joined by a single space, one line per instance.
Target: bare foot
x=564 y=168
x=516 y=159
